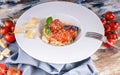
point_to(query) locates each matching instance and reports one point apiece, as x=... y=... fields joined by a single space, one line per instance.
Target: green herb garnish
x=49 y=20
x=47 y=27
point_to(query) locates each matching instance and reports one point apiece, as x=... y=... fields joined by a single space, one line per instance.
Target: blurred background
x=106 y=60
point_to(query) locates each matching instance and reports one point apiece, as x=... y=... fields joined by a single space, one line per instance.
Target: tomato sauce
x=62 y=32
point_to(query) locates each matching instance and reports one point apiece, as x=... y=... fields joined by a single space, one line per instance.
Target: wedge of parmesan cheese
x=3 y=43
x=6 y=52
x=30 y=34
x=29 y=25
x=34 y=20
x=1 y=56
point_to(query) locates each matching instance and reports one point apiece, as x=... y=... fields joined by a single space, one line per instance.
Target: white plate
x=67 y=12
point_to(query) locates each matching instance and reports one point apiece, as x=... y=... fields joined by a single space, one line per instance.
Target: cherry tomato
x=111 y=41
x=112 y=35
x=9 y=37
x=110 y=16
x=3 y=69
x=114 y=26
x=107 y=28
x=8 y=23
x=1 y=73
x=4 y=30
x=12 y=28
x=14 y=71
x=103 y=21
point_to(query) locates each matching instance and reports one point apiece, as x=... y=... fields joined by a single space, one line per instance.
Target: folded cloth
x=32 y=66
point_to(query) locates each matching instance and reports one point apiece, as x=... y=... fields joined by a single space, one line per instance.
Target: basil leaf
x=47 y=30
x=49 y=20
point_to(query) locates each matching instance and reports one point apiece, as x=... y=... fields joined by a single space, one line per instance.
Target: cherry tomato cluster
x=7 y=31
x=111 y=28
x=9 y=71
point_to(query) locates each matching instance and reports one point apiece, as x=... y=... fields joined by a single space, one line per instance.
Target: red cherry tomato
x=111 y=41
x=103 y=21
x=8 y=23
x=3 y=69
x=114 y=26
x=14 y=71
x=1 y=73
x=4 y=30
x=9 y=37
x=107 y=28
x=12 y=28
x=112 y=35
x=110 y=16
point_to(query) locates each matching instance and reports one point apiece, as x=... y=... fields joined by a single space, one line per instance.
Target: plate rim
x=59 y=61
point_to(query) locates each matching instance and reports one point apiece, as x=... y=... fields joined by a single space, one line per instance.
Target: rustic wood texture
x=106 y=61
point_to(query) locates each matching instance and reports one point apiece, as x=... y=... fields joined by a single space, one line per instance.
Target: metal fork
x=100 y=37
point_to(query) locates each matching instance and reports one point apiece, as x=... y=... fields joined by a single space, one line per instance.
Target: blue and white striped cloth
x=31 y=66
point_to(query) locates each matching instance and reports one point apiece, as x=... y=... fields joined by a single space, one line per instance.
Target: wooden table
x=106 y=61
